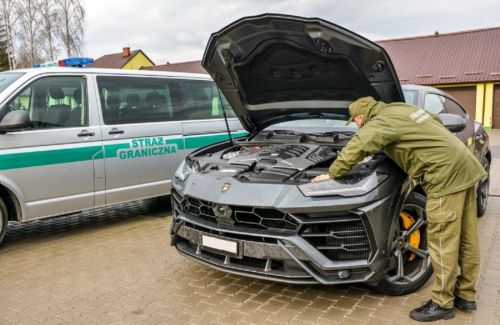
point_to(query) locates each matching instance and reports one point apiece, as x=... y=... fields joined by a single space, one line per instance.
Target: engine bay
x=277 y=157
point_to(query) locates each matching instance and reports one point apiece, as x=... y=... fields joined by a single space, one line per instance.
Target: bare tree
x=34 y=31
x=4 y=57
x=72 y=26
x=9 y=19
x=50 y=23
x=29 y=34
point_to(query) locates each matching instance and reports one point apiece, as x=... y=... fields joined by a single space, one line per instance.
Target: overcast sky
x=177 y=30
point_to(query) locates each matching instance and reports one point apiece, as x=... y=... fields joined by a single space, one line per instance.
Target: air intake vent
x=344 y=240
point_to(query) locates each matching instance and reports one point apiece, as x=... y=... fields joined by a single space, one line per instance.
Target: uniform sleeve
x=371 y=138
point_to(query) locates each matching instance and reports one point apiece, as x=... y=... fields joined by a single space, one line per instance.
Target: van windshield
x=7 y=78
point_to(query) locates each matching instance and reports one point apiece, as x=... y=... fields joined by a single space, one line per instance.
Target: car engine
x=294 y=159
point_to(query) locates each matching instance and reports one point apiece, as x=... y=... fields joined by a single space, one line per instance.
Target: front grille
x=344 y=239
x=250 y=217
x=263 y=218
x=199 y=208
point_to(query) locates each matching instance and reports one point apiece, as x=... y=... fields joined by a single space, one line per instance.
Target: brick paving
x=123 y=271
x=115 y=266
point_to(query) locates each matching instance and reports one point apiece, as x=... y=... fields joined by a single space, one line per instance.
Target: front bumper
x=347 y=252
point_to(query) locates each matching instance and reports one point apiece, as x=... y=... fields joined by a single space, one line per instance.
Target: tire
x=408 y=274
x=3 y=220
x=483 y=190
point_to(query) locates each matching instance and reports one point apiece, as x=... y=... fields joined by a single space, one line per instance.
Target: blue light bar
x=69 y=62
x=77 y=62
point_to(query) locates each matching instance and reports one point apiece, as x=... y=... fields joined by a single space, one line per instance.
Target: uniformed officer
x=421 y=146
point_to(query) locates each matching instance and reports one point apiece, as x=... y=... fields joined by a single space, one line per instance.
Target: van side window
x=135 y=99
x=149 y=99
x=54 y=102
x=199 y=99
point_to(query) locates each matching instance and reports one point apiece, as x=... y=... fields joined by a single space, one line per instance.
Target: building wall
x=138 y=61
x=496 y=106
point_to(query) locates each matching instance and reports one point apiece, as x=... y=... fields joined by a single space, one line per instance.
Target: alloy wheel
x=412 y=259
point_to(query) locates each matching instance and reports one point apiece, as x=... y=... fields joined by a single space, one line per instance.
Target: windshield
x=410 y=96
x=7 y=78
x=315 y=125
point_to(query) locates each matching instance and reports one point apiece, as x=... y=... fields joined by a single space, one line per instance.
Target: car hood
x=272 y=68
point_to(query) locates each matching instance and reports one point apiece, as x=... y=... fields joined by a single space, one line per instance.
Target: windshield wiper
x=308 y=115
x=287 y=132
x=328 y=115
x=334 y=133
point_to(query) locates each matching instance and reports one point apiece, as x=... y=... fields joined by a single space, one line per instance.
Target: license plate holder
x=220 y=245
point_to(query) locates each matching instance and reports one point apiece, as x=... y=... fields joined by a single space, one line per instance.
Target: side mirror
x=15 y=121
x=453 y=122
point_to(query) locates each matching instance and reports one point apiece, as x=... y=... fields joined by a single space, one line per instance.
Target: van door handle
x=86 y=133
x=116 y=131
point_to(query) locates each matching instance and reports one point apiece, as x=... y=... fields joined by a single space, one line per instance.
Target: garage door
x=496 y=108
x=466 y=96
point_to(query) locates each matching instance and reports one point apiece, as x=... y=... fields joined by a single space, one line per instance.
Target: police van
x=77 y=138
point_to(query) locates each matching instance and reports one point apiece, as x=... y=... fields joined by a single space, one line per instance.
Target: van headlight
x=184 y=170
x=354 y=185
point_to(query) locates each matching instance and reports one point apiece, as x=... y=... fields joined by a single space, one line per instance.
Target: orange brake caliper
x=414 y=237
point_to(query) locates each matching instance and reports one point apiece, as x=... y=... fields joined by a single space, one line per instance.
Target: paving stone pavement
x=115 y=266
x=495 y=164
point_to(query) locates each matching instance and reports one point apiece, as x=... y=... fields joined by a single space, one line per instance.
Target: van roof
x=36 y=71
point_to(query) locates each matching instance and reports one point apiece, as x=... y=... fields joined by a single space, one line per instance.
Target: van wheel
x=410 y=256
x=483 y=190
x=3 y=220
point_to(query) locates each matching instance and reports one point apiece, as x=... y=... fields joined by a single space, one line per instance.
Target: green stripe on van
x=48 y=157
x=179 y=142
x=61 y=156
x=112 y=149
x=200 y=141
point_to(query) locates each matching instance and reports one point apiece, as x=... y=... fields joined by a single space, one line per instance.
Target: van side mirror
x=453 y=122
x=15 y=121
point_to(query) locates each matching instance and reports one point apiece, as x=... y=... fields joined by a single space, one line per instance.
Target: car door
x=142 y=136
x=202 y=109
x=53 y=166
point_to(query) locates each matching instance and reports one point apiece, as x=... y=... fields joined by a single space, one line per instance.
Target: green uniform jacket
x=418 y=143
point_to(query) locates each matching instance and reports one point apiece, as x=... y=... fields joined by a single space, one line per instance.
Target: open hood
x=273 y=68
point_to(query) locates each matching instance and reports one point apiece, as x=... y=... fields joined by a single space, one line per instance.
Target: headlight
x=350 y=186
x=183 y=171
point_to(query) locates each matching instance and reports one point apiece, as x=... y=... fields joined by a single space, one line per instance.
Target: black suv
x=247 y=206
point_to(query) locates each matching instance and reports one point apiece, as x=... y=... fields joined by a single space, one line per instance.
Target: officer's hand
x=321 y=177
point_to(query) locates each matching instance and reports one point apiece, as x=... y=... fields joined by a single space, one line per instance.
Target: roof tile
x=113 y=61
x=460 y=57
x=189 y=66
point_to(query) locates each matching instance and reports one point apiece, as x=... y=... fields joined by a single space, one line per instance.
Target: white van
x=77 y=138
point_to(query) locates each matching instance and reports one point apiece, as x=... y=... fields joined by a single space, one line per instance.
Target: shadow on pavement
x=155 y=207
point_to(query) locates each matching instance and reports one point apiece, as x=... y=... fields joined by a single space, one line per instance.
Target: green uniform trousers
x=453 y=243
